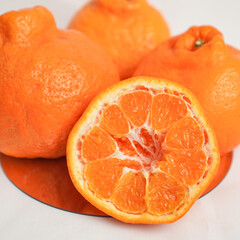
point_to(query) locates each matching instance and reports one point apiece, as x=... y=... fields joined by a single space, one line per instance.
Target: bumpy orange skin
x=47 y=78
x=211 y=72
x=127 y=30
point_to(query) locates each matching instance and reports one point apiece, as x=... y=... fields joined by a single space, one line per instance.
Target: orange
x=143 y=152
x=127 y=30
x=201 y=61
x=47 y=78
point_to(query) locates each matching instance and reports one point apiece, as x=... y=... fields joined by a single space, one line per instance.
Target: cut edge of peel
x=87 y=120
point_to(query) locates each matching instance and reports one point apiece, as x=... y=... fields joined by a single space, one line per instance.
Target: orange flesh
x=185 y=134
x=114 y=121
x=108 y=173
x=180 y=165
x=136 y=107
x=129 y=193
x=166 y=110
x=97 y=144
x=155 y=150
x=164 y=193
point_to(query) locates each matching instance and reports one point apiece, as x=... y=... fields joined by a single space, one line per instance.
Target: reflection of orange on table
x=48 y=181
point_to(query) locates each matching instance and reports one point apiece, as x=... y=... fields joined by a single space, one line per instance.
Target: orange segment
x=102 y=175
x=188 y=166
x=166 y=110
x=97 y=144
x=114 y=121
x=164 y=193
x=126 y=147
x=159 y=167
x=185 y=134
x=136 y=106
x=130 y=192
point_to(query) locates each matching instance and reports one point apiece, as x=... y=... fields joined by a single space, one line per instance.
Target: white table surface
x=215 y=216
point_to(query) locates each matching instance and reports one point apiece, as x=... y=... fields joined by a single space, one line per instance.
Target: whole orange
x=127 y=30
x=200 y=60
x=47 y=78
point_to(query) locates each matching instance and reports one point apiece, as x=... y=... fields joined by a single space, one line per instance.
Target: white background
x=215 y=216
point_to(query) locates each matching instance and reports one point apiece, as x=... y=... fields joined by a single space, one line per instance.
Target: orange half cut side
x=143 y=151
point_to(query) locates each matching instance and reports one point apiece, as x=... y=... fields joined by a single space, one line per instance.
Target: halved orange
x=143 y=151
